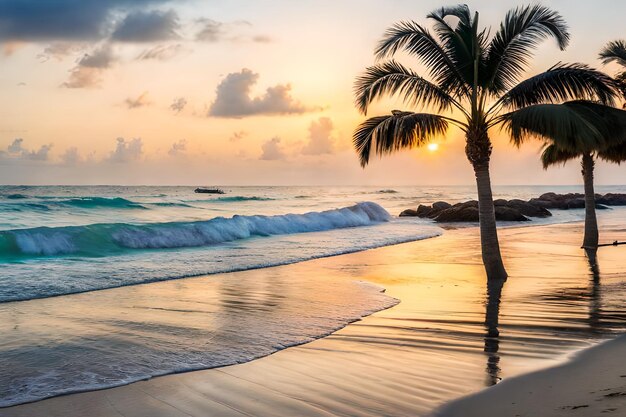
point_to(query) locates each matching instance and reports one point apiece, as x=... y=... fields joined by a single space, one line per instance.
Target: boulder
x=409 y=213
x=424 y=211
x=510 y=214
x=441 y=205
x=546 y=204
x=500 y=202
x=458 y=213
x=470 y=203
x=575 y=203
x=528 y=209
x=612 y=199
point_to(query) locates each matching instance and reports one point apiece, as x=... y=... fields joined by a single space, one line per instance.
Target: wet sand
x=450 y=336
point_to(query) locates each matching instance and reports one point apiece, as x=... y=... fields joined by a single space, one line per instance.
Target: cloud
x=71 y=156
x=127 y=151
x=89 y=68
x=141 y=101
x=162 y=52
x=39 y=155
x=16 y=146
x=17 y=150
x=233 y=98
x=68 y=20
x=101 y=57
x=215 y=31
x=212 y=30
x=321 y=140
x=261 y=39
x=178 y=148
x=147 y=26
x=58 y=51
x=178 y=104
x=272 y=150
x=237 y=136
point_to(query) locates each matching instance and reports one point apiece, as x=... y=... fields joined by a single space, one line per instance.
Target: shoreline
x=558 y=390
x=338 y=357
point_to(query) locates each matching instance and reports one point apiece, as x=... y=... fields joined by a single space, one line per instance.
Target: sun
x=433 y=147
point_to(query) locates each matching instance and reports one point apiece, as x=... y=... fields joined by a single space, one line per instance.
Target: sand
x=449 y=337
x=592 y=384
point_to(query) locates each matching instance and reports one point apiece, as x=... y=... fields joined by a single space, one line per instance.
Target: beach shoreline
x=380 y=364
x=591 y=383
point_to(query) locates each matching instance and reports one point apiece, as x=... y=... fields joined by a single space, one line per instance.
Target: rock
x=458 y=213
x=612 y=199
x=528 y=209
x=541 y=203
x=500 y=202
x=515 y=209
x=441 y=205
x=575 y=203
x=424 y=211
x=470 y=203
x=510 y=214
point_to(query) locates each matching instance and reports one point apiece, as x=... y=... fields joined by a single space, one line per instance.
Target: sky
x=231 y=92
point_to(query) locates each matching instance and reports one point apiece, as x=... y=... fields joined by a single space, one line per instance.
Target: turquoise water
x=61 y=240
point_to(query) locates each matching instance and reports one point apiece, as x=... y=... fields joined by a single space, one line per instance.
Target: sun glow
x=433 y=147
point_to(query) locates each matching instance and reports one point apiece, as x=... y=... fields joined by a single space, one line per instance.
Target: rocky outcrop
x=611 y=199
x=576 y=201
x=513 y=210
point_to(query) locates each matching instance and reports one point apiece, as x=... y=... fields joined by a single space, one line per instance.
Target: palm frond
x=615 y=154
x=614 y=52
x=621 y=84
x=416 y=40
x=460 y=11
x=457 y=41
x=391 y=133
x=553 y=155
x=610 y=121
x=519 y=34
x=391 y=78
x=560 y=83
x=569 y=127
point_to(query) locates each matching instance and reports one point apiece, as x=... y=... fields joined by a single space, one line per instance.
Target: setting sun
x=433 y=147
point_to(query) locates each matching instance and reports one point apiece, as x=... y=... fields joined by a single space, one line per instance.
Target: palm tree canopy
x=468 y=73
x=574 y=126
x=614 y=52
x=615 y=154
x=553 y=155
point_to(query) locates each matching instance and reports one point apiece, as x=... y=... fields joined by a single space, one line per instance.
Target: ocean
x=61 y=240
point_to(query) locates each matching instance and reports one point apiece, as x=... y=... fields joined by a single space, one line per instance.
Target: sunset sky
x=234 y=92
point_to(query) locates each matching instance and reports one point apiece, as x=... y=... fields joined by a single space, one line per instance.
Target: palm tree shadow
x=492 y=335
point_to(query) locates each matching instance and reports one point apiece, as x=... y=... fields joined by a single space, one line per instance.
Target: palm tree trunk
x=492 y=259
x=591 y=222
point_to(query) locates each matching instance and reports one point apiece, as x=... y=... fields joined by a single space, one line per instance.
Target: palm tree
x=573 y=130
x=472 y=77
x=616 y=52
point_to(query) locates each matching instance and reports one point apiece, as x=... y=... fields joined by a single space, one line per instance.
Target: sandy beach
x=448 y=337
x=592 y=384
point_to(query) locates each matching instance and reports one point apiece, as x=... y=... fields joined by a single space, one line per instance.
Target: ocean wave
x=168 y=204
x=15 y=196
x=106 y=239
x=100 y=202
x=233 y=198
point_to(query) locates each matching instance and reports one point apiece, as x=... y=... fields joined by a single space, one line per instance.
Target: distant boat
x=209 y=191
